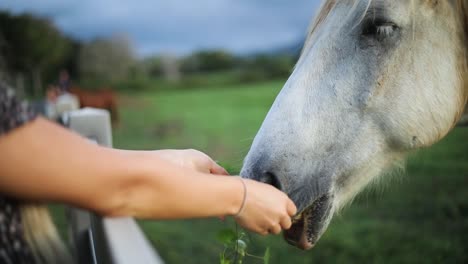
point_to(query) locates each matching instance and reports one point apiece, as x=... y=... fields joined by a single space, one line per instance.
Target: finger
x=218 y=170
x=286 y=222
x=276 y=229
x=263 y=232
x=291 y=208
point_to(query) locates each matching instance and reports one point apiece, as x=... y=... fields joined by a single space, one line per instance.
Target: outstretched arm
x=42 y=161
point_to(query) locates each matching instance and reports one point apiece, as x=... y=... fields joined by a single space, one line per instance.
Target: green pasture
x=419 y=216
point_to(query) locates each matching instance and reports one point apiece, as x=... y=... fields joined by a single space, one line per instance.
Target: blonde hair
x=42 y=236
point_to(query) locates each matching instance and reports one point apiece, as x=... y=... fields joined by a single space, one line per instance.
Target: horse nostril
x=272 y=179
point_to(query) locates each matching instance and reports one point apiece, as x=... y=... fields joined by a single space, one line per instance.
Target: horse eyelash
x=379 y=29
x=385 y=30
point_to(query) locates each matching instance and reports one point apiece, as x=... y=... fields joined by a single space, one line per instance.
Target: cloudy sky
x=180 y=26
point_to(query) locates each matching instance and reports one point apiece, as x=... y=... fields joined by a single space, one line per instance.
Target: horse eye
x=379 y=29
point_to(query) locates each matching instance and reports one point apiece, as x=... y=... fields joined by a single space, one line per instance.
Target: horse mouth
x=310 y=224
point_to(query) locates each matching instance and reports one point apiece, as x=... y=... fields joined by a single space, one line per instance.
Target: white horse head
x=376 y=80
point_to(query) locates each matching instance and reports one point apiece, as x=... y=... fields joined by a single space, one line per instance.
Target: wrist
x=199 y=194
x=237 y=196
x=244 y=197
x=226 y=194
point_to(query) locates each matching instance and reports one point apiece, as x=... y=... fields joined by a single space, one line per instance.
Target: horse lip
x=298 y=235
x=312 y=222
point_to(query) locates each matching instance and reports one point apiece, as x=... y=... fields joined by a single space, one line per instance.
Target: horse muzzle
x=312 y=195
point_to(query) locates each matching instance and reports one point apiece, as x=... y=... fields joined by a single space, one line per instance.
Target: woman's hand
x=266 y=210
x=191 y=159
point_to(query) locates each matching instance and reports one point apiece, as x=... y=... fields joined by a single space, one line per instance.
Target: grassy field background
x=420 y=216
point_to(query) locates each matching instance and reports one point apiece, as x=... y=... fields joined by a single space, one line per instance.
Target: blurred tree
x=153 y=66
x=32 y=45
x=171 y=67
x=266 y=66
x=3 y=67
x=107 y=59
x=208 y=61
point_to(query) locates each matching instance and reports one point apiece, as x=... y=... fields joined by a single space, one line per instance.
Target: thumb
x=291 y=208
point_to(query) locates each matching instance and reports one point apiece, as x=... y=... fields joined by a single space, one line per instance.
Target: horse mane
x=463 y=8
x=324 y=11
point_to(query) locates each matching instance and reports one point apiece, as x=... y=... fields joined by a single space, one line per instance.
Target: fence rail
x=100 y=240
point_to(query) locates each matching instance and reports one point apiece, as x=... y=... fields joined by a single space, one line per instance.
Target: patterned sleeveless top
x=13 y=247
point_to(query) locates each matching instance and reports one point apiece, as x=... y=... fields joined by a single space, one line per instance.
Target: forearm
x=42 y=161
x=175 y=192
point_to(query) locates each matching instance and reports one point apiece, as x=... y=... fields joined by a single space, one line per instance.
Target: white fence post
x=104 y=240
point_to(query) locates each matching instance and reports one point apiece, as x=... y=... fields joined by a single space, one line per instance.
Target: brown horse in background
x=104 y=99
